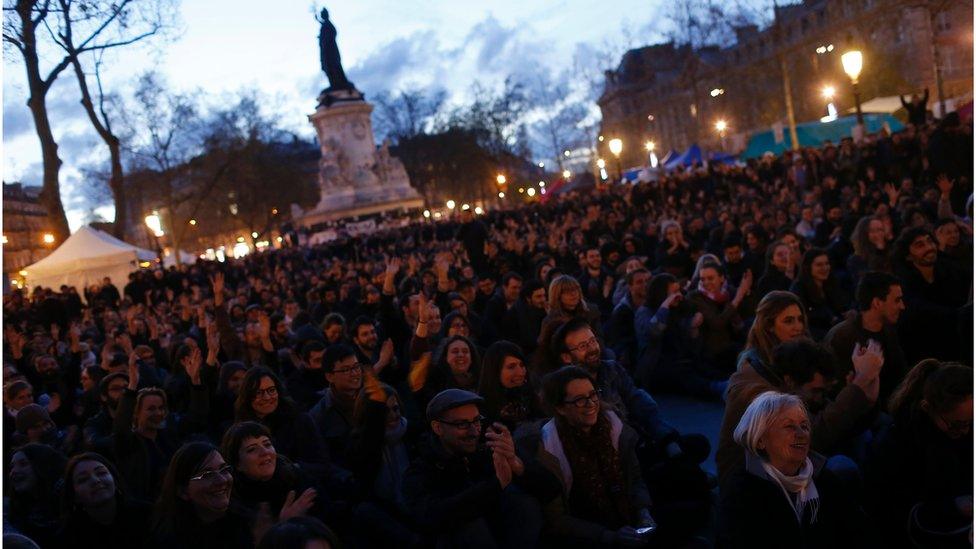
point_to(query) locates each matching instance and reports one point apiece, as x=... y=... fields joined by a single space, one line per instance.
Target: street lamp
x=602 y=164
x=721 y=126
x=500 y=179
x=828 y=94
x=567 y=174
x=48 y=238
x=616 y=146
x=853 y=62
x=451 y=204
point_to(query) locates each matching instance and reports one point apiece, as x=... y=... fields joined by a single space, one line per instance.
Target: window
x=947 y=60
x=942 y=22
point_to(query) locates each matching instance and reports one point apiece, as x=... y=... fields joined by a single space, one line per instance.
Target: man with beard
x=333 y=415
x=52 y=389
x=935 y=292
x=803 y=368
x=523 y=321
x=98 y=429
x=368 y=349
x=595 y=280
x=620 y=331
x=463 y=492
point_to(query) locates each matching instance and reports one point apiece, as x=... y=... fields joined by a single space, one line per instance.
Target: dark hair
x=361 y=320
x=68 y=491
x=531 y=287
x=800 y=359
x=48 y=465
x=770 y=252
x=489 y=386
x=509 y=276
x=333 y=319
x=310 y=347
x=449 y=319
x=657 y=290
x=572 y=325
x=760 y=335
x=296 y=532
x=11 y=389
x=805 y=277
x=441 y=372
x=554 y=385
x=243 y=411
x=943 y=385
x=904 y=243
x=361 y=406
x=172 y=515
x=230 y=445
x=104 y=383
x=335 y=353
x=630 y=276
x=874 y=285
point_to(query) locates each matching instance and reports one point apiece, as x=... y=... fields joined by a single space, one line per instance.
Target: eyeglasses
x=591 y=343
x=465 y=425
x=355 y=367
x=214 y=476
x=269 y=392
x=586 y=400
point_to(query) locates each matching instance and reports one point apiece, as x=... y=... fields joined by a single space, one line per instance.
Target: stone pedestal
x=355 y=177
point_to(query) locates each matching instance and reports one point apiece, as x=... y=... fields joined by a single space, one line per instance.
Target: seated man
x=806 y=369
x=464 y=493
x=592 y=454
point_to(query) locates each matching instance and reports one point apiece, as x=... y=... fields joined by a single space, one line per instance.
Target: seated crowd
x=487 y=381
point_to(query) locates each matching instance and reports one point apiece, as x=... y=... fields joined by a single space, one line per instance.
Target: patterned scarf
x=599 y=492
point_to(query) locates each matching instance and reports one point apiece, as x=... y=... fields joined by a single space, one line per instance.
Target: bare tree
x=558 y=115
x=406 y=113
x=27 y=25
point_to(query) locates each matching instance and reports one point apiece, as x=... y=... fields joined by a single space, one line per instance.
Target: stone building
x=25 y=223
x=673 y=95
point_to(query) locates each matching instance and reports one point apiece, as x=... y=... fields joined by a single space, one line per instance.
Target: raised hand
x=133 y=371
x=372 y=387
x=297 y=507
x=192 y=364
x=217 y=281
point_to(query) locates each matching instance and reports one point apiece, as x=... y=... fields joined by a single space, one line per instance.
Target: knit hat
x=30 y=415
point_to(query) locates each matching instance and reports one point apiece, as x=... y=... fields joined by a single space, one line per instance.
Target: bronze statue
x=329 y=54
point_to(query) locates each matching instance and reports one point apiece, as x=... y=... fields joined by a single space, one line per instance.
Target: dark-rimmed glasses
x=214 y=476
x=585 y=400
x=465 y=425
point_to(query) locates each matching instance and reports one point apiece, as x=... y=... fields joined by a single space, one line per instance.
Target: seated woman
x=784 y=496
x=194 y=507
x=673 y=254
x=506 y=385
x=923 y=464
x=142 y=438
x=262 y=398
x=263 y=476
x=32 y=506
x=455 y=364
x=871 y=248
x=780 y=317
x=780 y=269
x=822 y=296
x=719 y=303
x=591 y=454
x=98 y=512
x=565 y=302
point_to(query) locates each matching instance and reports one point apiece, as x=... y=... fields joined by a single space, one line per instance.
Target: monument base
x=356 y=178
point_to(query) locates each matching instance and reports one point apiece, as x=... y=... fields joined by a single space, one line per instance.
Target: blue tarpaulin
x=687 y=158
x=668 y=157
x=813 y=134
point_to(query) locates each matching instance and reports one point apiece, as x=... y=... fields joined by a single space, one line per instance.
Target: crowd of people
x=487 y=381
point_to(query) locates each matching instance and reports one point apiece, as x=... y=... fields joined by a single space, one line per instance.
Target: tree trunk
x=50 y=196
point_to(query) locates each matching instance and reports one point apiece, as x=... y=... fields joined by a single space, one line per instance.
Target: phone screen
x=646 y=530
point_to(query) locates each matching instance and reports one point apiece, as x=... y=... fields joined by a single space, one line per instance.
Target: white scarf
x=799 y=490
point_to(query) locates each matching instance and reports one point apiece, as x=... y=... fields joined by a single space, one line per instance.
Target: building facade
x=25 y=224
x=674 y=95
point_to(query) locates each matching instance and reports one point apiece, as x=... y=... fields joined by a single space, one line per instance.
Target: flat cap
x=449 y=399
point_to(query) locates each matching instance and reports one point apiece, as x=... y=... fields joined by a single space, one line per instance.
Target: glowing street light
x=155 y=224
x=479 y=210
x=4 y=239
x=716 y=92
x=542 y=164
x=500 y=179
x=649 y=146
x=567 y=174
x=193 y=222
x=600 y=139
x=427 y=214
x=853 y=62
x=601 y=163
x=465 y=207
x=254 y=235
x=616 y=147
x=451 y=204
x=501 y=194
x=48 y=238
x=531 y=191
x=721 y=126
x=828 y=92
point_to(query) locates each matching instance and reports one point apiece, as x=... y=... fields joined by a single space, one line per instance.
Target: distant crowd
x=490 y=380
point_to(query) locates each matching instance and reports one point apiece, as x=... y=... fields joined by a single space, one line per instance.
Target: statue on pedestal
x=340 y=88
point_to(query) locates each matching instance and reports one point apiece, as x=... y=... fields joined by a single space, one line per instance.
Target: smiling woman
x=784 y=496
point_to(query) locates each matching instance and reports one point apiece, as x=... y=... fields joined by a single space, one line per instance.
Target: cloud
x=398 y=61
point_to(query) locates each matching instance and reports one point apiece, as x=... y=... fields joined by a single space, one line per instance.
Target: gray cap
x=449 y=399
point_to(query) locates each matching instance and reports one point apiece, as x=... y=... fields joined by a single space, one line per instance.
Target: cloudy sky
x=272 y=45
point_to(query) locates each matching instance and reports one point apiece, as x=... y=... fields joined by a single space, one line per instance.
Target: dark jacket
x=128 y=529
x=754 y=513
x=913 y=462
x=721 y=326
x=442 y=490
x=928 y=327
x=539 y=445
x=634 y=405
x=333 y=425
x=840 y=340
x=296 y=437
x=621 y=335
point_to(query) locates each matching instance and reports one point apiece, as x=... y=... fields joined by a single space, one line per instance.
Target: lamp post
x=601 y=164
x=616 y=147
x=155 y=224
x=853 y=62
x=650 y=146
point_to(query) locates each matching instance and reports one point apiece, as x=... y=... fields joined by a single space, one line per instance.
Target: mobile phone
x=646 y=530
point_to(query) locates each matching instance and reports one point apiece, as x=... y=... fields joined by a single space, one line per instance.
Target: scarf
x=598 y=492
x=719 y=297
x=799 y=490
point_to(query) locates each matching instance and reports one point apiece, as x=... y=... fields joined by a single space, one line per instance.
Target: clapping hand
x=499 y=439
x=297 y=507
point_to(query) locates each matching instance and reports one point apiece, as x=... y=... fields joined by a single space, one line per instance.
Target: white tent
x=886 y=105
x=169 y=258
x=85 y=258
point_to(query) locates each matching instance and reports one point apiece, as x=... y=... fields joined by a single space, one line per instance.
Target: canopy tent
x=169 y=258
x=85 y=258
x=691 y=156
x=722 y=158
x=668 y=157
x=813 y=134
x=882 y=105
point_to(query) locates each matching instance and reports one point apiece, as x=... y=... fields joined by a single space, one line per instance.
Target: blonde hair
x=760 y=414
x=148 y=392
x=559 y=285
x=761 y=335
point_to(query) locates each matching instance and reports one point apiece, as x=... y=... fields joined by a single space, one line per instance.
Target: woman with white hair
x=784 y=496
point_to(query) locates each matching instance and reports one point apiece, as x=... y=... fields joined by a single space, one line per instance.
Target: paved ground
x=694 y=416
